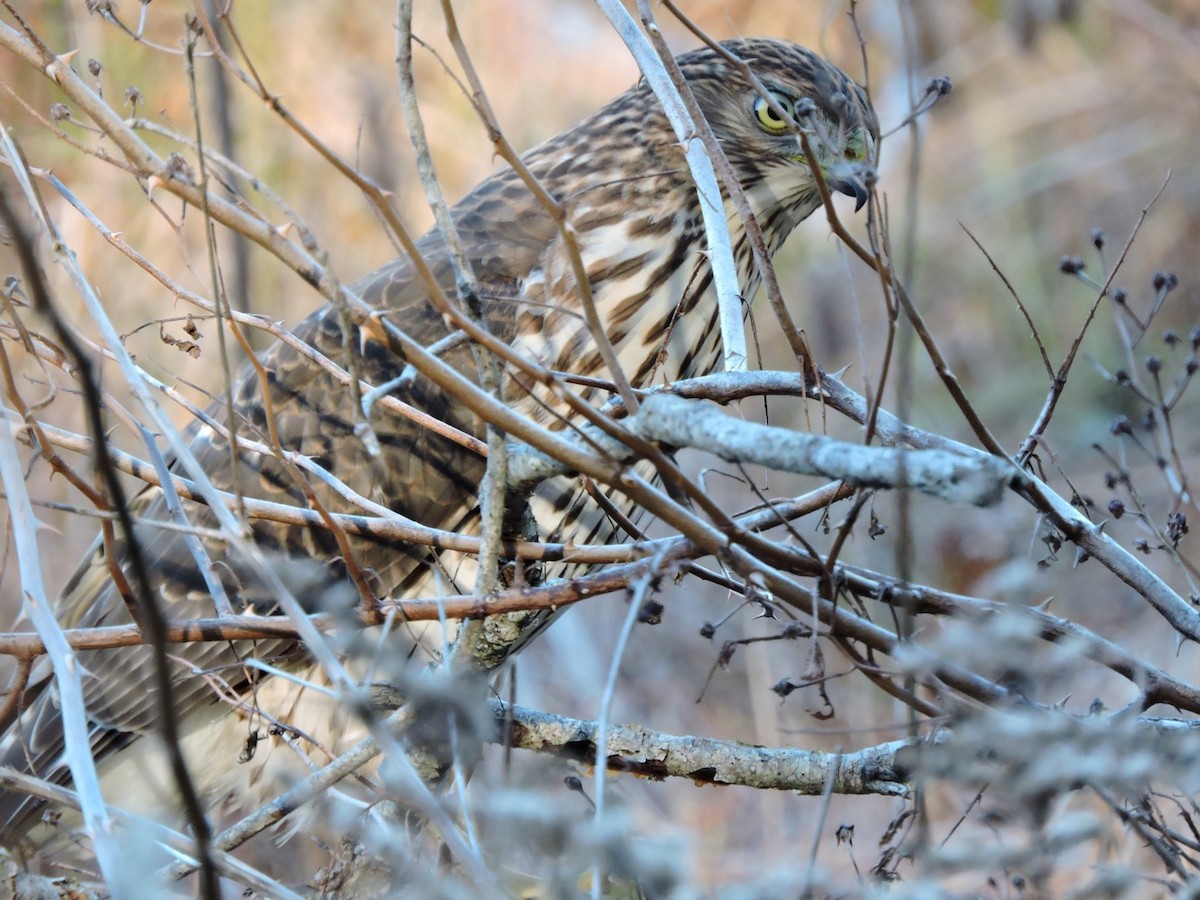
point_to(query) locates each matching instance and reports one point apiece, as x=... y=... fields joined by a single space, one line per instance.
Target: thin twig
x=712 y=209
x=147 y=613
x=636 y=601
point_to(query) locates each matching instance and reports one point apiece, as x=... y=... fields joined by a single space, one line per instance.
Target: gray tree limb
x=705 y=760
x=975 y=479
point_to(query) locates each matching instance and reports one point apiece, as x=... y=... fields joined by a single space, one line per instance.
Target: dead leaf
x=191 y=348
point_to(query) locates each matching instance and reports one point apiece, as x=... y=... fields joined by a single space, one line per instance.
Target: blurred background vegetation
x=1065 y=117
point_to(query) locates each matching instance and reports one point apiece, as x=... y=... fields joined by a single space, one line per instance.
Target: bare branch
x=652 y=754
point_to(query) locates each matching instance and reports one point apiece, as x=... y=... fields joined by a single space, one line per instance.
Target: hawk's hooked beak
x=847 y=179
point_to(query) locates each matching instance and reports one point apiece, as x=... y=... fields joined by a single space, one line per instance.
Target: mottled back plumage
x=621 y=177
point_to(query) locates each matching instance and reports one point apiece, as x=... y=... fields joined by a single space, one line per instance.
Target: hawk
x=628 y=195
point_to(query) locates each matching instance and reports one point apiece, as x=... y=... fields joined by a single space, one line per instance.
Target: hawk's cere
x=621 y=178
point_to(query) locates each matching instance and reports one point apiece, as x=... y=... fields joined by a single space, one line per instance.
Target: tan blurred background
x=1065 y=116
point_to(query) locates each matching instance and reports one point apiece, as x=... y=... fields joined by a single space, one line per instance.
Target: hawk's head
x=754 y=130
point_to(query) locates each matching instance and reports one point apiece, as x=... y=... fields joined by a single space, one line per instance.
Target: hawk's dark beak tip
x=852 y=186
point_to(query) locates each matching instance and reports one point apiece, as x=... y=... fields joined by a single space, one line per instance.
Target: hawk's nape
x=628 y=196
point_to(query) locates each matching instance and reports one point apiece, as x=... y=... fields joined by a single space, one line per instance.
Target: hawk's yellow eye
x=767 y=120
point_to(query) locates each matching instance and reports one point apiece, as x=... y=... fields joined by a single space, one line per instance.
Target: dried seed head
x=941 y=85
x=1165 y=281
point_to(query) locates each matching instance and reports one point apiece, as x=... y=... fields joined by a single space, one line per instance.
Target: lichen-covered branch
x=653 y=754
